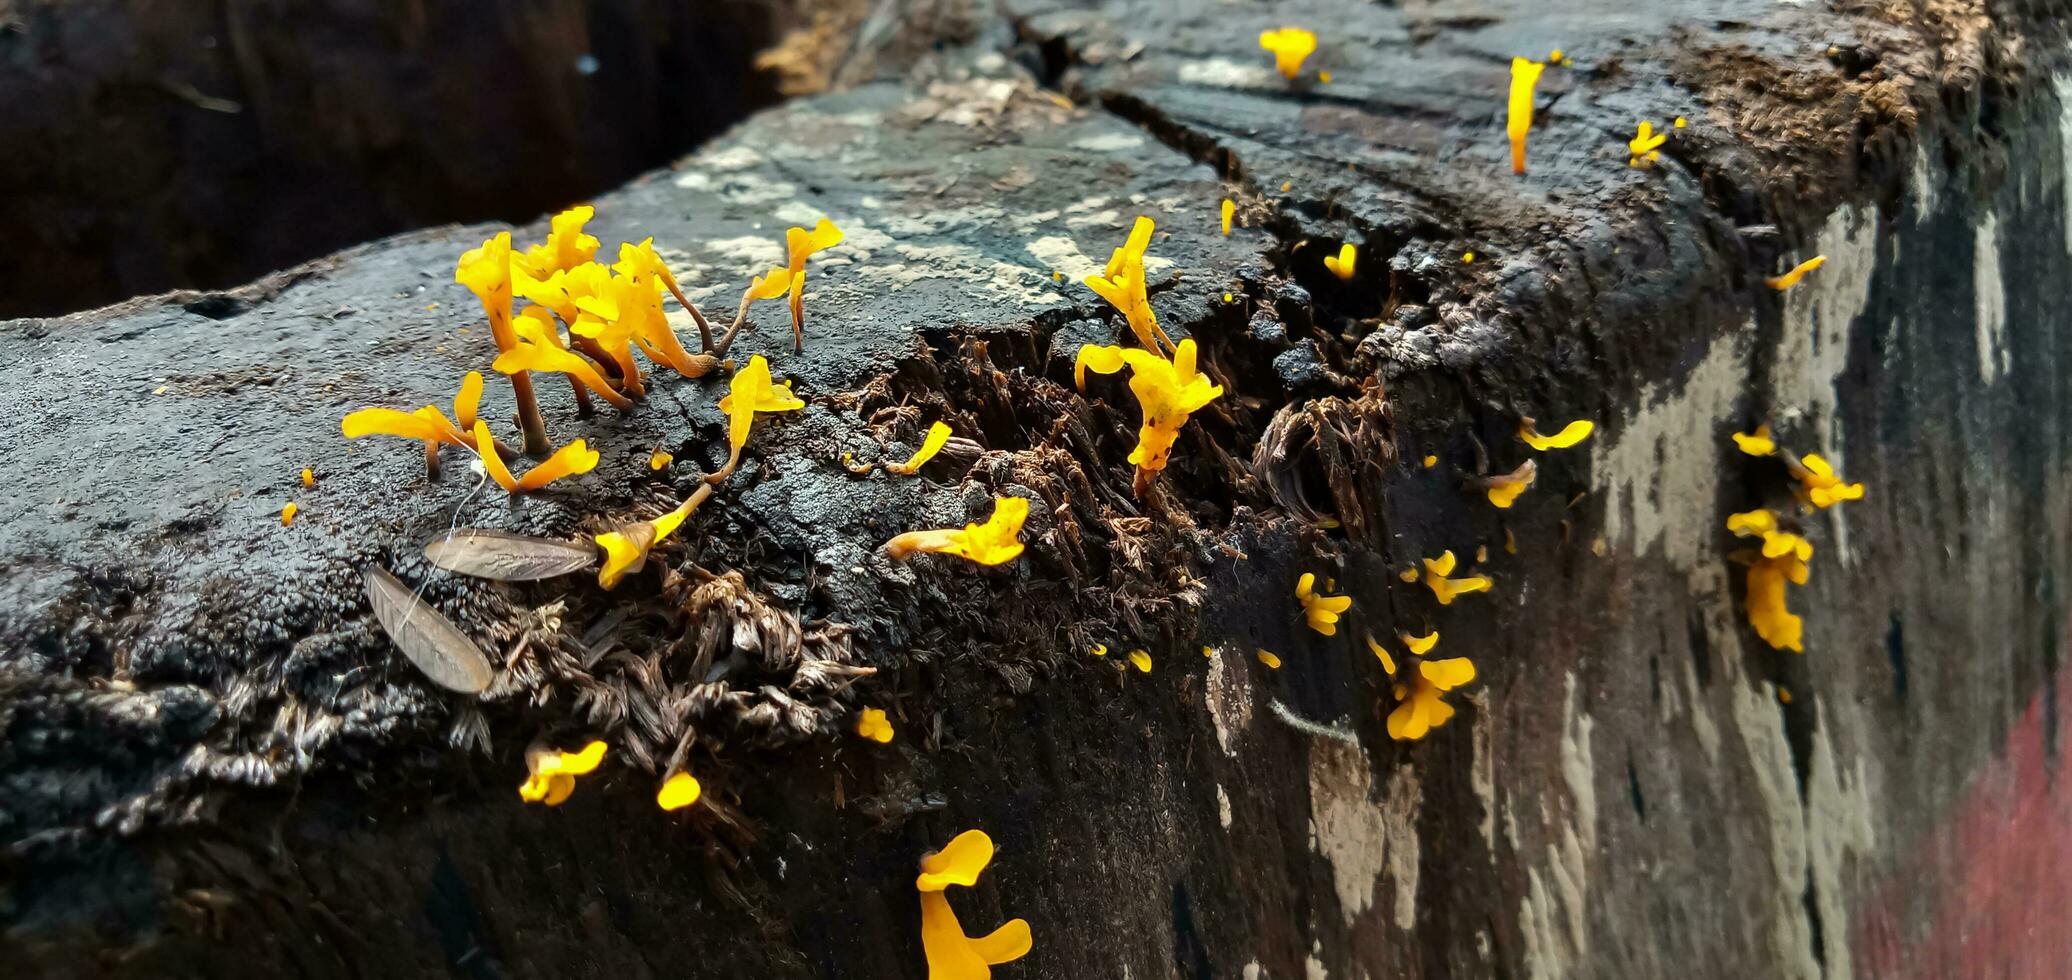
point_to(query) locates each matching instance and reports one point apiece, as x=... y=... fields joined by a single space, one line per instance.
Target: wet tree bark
x=214 y=764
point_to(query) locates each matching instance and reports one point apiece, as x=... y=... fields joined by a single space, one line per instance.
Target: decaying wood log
x=215 y=764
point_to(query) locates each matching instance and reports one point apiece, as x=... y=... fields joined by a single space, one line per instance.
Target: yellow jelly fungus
x=1322 y=611
x=1525 y=75
x=1481 y=553
x=938 y=437
x=626 y=549
x=1467 y=257
x=1324 y=77
x=1140 y=660
x=574 y=459
x=552 y=774
x=1099 y=650
x=1556 y=57
x=1341 y=265
x=1445 y=589
x=1510 y=542
x=1431 y=460
x=1423 y=706
x=566 y=246
x=750 y=391
x=309 y=476
x=1823 y=488
x=1420 y=645
x=535 y=351
x=1272 y=662
x=1229 y=210
x=1757 y=443
x=1381 y=653
x=872 y=724
x=1570 y=434
x=1503 y=489
x=1646 y=145
x=951 y=954
x=1291 y=46
x=486 y=272
x=1798 y=272
x=679 y=791
x=660 y=459
x=1227 y=297
x=1681 y=122
x=1784 y=695
x=1167 y=391
x=1753 y=524
x=1765 y=603
x=1122 y=283
x=641 y=261
x=1209 y=652
x=288 y=513
x=996 y=541
x=427 y=424
x=800 y=245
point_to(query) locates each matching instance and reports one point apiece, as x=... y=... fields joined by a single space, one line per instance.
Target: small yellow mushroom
x=1525 y=76
x=309 y=476
x=1646 y=145
x=1271 y=661
x=660 y=459
x=536 y=352
x=1341 y=265
x=1420 y=645
x=641 y=262
x=996 y=541
x=1381 y=653
x=1423 y=706
x=1504 y=488
x=1445 y=589
x=1291 y=46
x=1140 y=660
x=551 y=774
x=1229 y=210
x=1680 y=122
x=1765 y=601
x=1167 y=391
x=679 y=791
x=800 y=245
x=1757 y=443
x=1431 y=460
x=1123 y=282
x=626 y=549
x=574 y=459
x=288 y=513
x=1467 y=257
x=749 y=392
x=1323 y=78
x=951 y=954
x=566 y=246
x=1823 y=487
x=1322 y=611
x=1570 y=434
x=872 y=724
x=1798 y=272
x=938 y=437
x=486 y=272
x=1099 y=650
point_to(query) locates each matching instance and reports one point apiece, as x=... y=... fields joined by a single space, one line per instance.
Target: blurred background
x=148 y=146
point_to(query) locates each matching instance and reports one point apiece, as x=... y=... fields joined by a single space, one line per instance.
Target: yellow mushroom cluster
x=1168 y=389
x=1782 y=553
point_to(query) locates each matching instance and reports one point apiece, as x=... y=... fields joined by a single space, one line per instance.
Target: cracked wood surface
x=208 y=740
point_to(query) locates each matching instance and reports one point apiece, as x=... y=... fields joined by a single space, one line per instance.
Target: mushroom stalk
x=529 y=420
